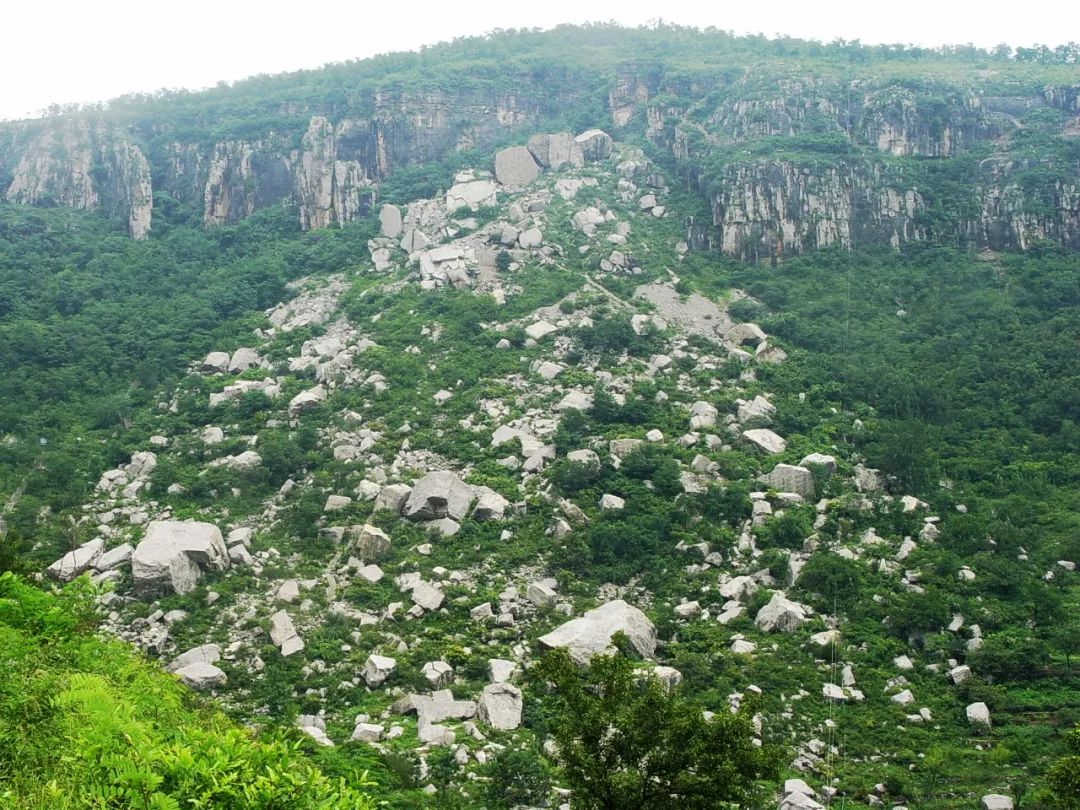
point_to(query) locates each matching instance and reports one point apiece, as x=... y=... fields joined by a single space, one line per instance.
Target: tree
x=624 y=742
x=518 y=778
x=1064 y=776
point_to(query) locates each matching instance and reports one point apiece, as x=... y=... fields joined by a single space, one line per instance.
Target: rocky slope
x=488 y=407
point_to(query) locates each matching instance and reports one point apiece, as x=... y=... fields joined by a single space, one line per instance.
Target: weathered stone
x=243 y=359
x=978 y=714
x=204 y=653
x=169 y=558
x=595 y=144
x=283 y=634
x=765 y=439
x=780 y=615
x=555 y=151
x=590 y=634
x=471 y=194
x=371 y=542
x=215 y=362
x=77 y=561
x=390 y=221
x=514 y=166
x=377 y=669
x=490 y=505
x=437 y=495
x=996 y=801
x=500 y=706
x=201 y=675
x=437 y=673
x=392 y=498
x=787 y=478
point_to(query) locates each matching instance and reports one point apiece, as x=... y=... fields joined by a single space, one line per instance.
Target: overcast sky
x=62 y=51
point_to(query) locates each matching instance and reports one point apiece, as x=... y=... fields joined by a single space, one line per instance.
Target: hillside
x=759 y=353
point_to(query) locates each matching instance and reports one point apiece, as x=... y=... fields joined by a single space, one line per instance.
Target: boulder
x=201 y=675
x=500 y=706
x=555 y=151
x=780 y=615
x=531 y=238
x=77 y=561
x=788 y=478
x=428 y=595
x=611 y=503
x=996 y=801
x=765 y=439
x=500 y=670
x=306 y=400
x=540 y=595
x=390 y=221
x=204 y=654
x=371 y=542
x=595 y=144
x=215 y=362
x=978 y=714
x=392 y=498
x=377 y=669
x=437 y=673
x=591 y=633
x=490 y=505
x=114 y=557
x=243 y=359
x=173 y=553
x=283 y=634
x=702 y=415
x=819 y=460
x=514 y=166
x=757 y=408
x=471 y=194
x=438 y=495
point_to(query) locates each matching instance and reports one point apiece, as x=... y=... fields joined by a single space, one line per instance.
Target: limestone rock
x=77 y=561
x=438 y=495
x=780 y=615
x=555 y=151
x=500 y=706
x=514 y=166
x=591 y=634
x=595 y=144
x=377 y=669
x=787 y=478
x=172 y=554
x=765 y=439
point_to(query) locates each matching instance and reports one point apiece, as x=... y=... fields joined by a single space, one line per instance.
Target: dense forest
x=895 y=229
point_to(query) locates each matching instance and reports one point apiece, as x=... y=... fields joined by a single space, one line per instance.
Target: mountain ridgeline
x=794 y=145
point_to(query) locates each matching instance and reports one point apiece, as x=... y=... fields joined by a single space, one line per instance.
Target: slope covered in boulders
x=531 y=417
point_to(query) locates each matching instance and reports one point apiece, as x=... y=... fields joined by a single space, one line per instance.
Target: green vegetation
x=87 y=723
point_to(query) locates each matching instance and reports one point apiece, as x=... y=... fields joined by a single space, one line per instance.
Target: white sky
x=61 y=51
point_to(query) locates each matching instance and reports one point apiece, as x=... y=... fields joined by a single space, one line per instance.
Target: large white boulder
x=595 y=144
x=555 y=151
x=201 y=675
x=471 y=194
x=283 y=634
x=377 y=669
x=765 y=439
x=515 y=166
x=500 y=706
x=789 y=478
x=438 y=495
x=591 y=634
x=781 y=615
x=996 y=801
x=173 y=553
x=390 y=221
x=77 y=561
x=978 y=714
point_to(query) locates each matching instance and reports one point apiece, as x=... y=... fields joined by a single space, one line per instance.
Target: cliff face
x=84 y=165
x=787 y=163
x=850 y=165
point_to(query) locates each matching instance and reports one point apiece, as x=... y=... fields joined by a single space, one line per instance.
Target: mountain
x=351 y=395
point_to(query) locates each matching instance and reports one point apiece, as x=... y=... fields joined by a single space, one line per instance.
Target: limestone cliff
x=82 y=164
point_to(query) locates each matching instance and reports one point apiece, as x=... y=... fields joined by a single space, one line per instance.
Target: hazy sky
x=61 y=51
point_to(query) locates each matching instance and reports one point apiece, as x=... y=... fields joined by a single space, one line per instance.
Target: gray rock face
x=591 y=634
x=787 y=478
x=514 y=166
x=438 y=495
x=780 y=615
x=77 y=561
x=500 y=706
x=555 y=151
x=595 y=144
x=172 y=554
